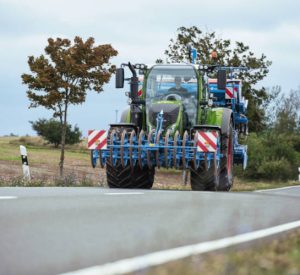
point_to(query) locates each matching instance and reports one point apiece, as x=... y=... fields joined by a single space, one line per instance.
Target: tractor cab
x=172 y=89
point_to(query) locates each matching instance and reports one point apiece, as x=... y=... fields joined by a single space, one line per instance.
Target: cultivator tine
x=157 y=153
x=140 y=148
x=195 y=161
x=132 y=161
x=215 y=165
x=205 y=162
x=150 y=143
x=111 y=141
x=102 y=162
x=184 y=144
x=122 y=149
x=176 y=142
x=166 y=150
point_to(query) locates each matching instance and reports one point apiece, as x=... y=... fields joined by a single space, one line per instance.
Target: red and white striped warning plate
x=230 y=92
x=207 y=141
x=97 y=139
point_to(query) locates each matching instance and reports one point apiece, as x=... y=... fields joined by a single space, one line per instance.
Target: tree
x=274 y=154
x=228 y=54
x=288 y=113
x=63 y=77
x=50 y=130
x=283 y=111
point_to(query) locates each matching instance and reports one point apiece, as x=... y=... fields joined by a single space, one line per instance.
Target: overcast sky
x=140 y=31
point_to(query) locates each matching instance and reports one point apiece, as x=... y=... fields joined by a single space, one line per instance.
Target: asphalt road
x=56 y=230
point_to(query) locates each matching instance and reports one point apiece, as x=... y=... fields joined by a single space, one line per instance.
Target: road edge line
x=123 y=193
x=164 y=256
x=8 y=197
x=275 y=189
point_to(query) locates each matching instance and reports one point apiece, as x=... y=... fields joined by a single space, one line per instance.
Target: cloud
x=140 y=31
x=281 y=45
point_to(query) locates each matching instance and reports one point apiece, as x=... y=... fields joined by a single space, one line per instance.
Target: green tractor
x=179 y=119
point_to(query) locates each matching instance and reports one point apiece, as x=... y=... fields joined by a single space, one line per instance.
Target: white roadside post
x=299 y=173
x=25 y=164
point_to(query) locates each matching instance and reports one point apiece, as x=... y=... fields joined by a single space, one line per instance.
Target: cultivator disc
x=168 y=150
x=151 y=143
x=177 y=154
x=124 y=150
x=132 y=153
x=142 y=156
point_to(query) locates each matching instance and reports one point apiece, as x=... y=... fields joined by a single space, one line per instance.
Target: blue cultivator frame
x=127 y=148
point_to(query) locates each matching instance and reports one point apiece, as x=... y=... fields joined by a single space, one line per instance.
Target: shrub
x=51 y=131
x=272 y=156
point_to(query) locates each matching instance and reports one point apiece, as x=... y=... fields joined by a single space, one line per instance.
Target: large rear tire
x=226 y=171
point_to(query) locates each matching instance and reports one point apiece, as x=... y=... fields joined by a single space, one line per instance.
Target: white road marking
x=124 y=193
x=164 y=256
x=277 y=189
x=8 y=197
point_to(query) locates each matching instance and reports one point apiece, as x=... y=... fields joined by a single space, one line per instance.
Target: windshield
x=171 y=79
x=170 y=84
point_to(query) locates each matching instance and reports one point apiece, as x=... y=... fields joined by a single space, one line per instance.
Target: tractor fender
x=226 y=118
x=125 y=116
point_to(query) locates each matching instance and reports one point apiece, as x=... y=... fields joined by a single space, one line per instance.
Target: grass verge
x=43 y=159
x=270 y=257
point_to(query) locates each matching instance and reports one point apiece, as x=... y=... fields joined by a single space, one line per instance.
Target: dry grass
x=244 y=185
x=44 y=158
x=277 y=257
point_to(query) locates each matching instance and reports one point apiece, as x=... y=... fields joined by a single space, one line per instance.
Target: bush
x=50 y=130
x=272 y=156
x=276 y=170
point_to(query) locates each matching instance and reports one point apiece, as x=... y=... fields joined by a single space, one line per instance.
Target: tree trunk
x=63 y=142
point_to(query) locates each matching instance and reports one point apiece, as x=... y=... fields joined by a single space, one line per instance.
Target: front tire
x=119 y=177
x=204 y=180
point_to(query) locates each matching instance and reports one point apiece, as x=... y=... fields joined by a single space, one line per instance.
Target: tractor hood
x=171 y=113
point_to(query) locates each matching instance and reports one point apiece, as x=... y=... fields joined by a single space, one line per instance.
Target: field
x=44 y=158
x=43 y=161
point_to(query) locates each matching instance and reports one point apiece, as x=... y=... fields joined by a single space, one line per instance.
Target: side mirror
x=221 y=76
x=120 y=78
